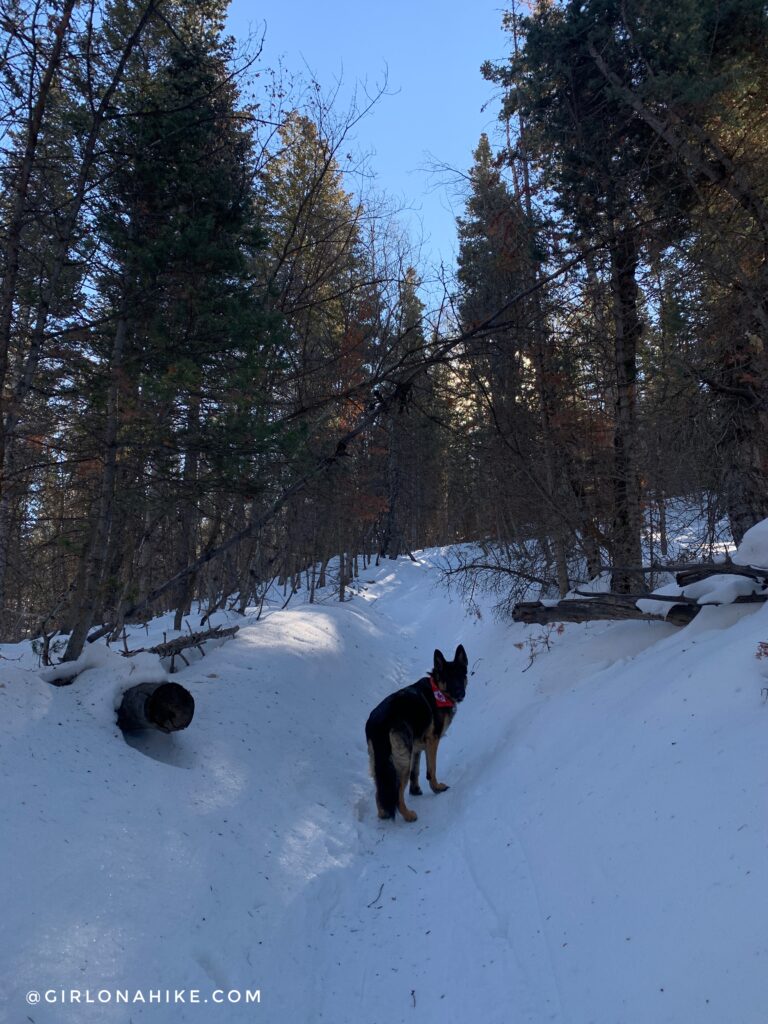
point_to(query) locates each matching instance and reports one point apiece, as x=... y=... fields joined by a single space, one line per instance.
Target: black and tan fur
x=404 y=724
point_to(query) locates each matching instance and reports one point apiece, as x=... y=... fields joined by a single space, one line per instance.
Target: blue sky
x=433 y=52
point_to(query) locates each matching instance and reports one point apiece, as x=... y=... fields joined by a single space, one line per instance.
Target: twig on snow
x=378 y=895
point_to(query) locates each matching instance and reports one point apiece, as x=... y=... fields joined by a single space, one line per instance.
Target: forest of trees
x=217 y=368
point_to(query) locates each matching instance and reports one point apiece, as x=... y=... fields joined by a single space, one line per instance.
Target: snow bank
x=753 y=549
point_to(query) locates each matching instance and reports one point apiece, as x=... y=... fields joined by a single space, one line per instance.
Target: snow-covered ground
x=600 y=855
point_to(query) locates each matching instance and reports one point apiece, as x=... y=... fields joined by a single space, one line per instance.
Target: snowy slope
x=599 y=855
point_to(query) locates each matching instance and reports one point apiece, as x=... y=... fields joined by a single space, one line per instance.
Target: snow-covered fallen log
x=686 y=602
x=687 y=575
x=164 y=706
x=606 y=606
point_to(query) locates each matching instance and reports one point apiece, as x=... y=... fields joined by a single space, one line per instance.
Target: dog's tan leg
x=436 y=787
x=415 y=788
x=402 y=750
x=406 y=812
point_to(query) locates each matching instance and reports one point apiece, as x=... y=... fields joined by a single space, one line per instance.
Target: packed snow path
x=599 y=857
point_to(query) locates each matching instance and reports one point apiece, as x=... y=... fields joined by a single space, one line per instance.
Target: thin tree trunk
x=541 y=368
x=392 y=533
x=663 y=538
x=87 y=596
x=321 y=579
x=188 y=518
x=627 y=520
x=342 y=577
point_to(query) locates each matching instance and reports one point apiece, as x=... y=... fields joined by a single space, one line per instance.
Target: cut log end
x=167 y=707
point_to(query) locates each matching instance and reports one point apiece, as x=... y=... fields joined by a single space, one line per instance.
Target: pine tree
x=592 y=158
x=512 y=364
x=696 y=82
x=190 y=346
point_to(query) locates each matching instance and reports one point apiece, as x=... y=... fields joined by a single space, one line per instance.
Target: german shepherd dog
x=411 y=720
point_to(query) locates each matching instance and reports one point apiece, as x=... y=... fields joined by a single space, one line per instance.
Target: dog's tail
x=383 y=771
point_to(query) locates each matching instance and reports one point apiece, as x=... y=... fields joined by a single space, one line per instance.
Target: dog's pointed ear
x=439 y=661
x=461 y=656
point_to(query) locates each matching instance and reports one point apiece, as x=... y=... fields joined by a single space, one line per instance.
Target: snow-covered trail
x=415 y=919
x=599 y=856
x=420 y=922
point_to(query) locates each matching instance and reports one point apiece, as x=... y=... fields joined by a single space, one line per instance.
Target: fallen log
x=164 y=706
x=622 y=606
x=632 y=599
x=603 y=607
x=687 y=575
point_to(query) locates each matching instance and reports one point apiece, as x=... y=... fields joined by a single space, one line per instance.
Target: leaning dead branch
x=174 y=648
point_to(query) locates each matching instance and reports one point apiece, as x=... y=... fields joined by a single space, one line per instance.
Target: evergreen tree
x=592 y=156
x=183 y=371
x=513 y=364
x=694 y=78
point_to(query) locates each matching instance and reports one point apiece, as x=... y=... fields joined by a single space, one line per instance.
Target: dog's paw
x=410 y=815
x=415 y=790
x=439 y=787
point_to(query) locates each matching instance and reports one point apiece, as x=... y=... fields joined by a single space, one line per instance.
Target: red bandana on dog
x=440 y=698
